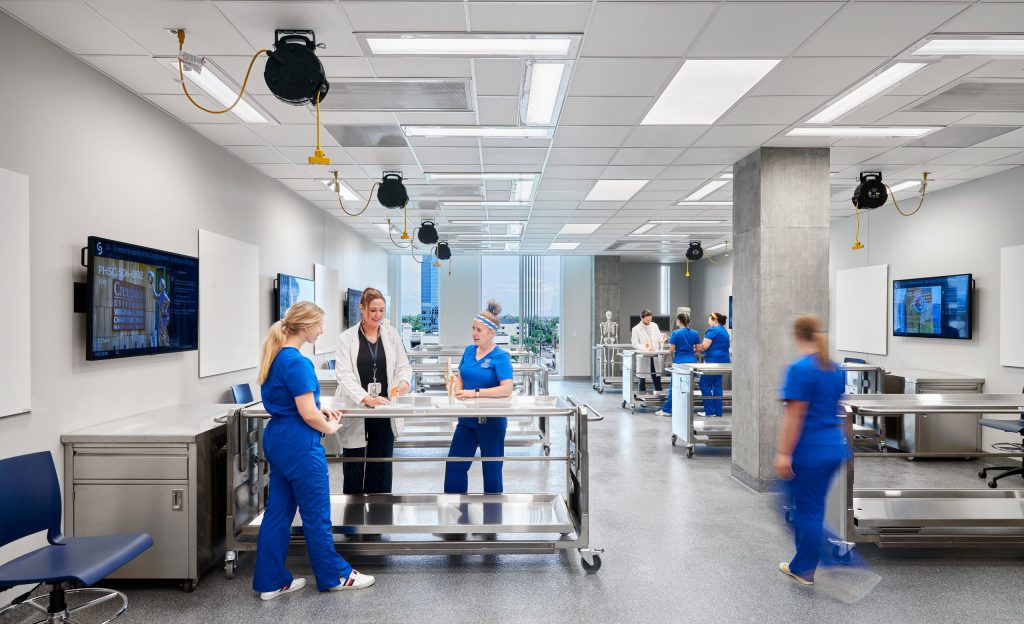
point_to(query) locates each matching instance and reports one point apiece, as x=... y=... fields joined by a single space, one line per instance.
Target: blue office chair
x=1012 y=426
x=241 y=393
x=853 y=360
x=31 y=503
x=332 y=364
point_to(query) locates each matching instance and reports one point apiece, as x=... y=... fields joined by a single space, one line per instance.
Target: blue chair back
x=332 y=364
x=853 y=360
x=31 y=497
x=241 y=393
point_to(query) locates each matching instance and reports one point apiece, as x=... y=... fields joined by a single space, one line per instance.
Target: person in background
x=372 y=365
x=715 y=347
x=298 y=465
x=813 y=442
x=646 y=336
x=484 y=372
x=681 y=347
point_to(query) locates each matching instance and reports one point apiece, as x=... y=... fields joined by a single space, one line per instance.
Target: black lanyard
x=374 y=349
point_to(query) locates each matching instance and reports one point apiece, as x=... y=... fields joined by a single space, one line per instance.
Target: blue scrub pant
x=711 y=385
x=470 y=434
x=807 y=492
x=298 y=478
x=667 y=406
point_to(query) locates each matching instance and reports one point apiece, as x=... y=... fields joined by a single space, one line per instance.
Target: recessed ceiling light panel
x=703 y=90
x=615 y=190
x=880 y=83
x=470 y=45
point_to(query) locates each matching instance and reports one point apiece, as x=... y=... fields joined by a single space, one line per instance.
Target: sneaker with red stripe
x=355 y=580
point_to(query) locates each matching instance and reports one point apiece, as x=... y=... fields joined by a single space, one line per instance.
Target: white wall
x=458 y=300
x=640 y=287
x=710 y=287
x=576 y=315
x=104 y=162
x=959 y=230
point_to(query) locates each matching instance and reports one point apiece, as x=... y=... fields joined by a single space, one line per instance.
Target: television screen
x=933 y=307
x=141 y=301
x=291 y=290
x=352 y=310
x=730 y=311
x=664 y=323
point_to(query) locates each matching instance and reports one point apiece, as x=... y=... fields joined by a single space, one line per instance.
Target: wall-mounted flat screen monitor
x=352 y=311
x=933 y=307
x=730 y=311
x=141 y=301
x=665 y=324
x=291 y=290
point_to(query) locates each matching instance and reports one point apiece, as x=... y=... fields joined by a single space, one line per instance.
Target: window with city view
x=419 y=307
x=527 y=287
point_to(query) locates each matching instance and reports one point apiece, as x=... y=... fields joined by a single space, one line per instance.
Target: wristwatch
x=477 y=393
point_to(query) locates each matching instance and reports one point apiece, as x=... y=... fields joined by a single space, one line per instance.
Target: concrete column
x=780 y=238
x=607 y=289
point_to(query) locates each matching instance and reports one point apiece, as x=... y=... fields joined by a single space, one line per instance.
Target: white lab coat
x=353 y=433
x=651 y=335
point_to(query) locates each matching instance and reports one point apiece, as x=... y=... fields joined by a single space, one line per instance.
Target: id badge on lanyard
x=373 y=389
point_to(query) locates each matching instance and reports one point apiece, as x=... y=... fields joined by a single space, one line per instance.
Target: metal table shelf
x=686 y=424
x=632 y=398
x=606 y=370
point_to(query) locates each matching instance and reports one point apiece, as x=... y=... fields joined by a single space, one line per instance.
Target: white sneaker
x=296 y=585
x=355 y=580
x=701 y=415
x=661 y=413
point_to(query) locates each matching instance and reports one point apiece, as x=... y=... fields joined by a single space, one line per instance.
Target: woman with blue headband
x=484 y=372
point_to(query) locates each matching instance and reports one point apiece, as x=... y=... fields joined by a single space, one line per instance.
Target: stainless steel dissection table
x=693 y=429
x=632 y=398
x=606 y=371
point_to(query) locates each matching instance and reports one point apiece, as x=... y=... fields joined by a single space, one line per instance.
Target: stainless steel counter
x=176 y=423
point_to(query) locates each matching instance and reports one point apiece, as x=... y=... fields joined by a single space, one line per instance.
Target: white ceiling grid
x=630 y=51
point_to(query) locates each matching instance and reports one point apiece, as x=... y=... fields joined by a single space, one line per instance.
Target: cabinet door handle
x=177 y=499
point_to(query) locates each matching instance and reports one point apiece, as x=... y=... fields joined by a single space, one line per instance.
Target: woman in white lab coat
x=646 y=336
x=372 y=365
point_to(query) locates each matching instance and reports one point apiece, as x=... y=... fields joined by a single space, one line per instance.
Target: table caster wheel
x=623 y=405
x=547 y=450
x=229 y=570
x=983 y=474
x=188 y=586
x=689 y=452
x=600 y=390
x=674 y=439
x=993 y=484
x=591 y=568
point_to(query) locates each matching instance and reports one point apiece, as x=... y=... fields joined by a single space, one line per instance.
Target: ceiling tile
x=538 y=143
x=987 y=170
x=738 y=136
x=571 y=172
x=678 y=186
x=891 y=31
x=259 y=154
x=208 y=32
x=522 y=17
x=448 y=155
x=75 y=26
x=299 y=155
x=292 y=135
x=772 y=109
x=974 y=156
x=691 y=172
x=646 y=156
x=285 y=113
x=421 y=67
x=644 y=28
x=739 y=29
x=499 y=76
x=281 y=171
x=590 y=136
x=581 y=156
x=816 y=76
x=936 y=76
x=918 y=118
x=876 y=109
x=257 y=22
x=664 y=136
x=603 y=111
x=514 y=156
x=621 y=76
x=631 y=172
x=385 y=156
x=181 y=108
x=853 y=155
x=563 y=195
x=228 y=134
x=1000 y=68
x=712 y=155
x=374 y=17
x=961 y=136
x=438 y=119
x=549 y=184
x=498 y=111
x=1014 y=138
x=910 y=155
x=140 y=74
x=987 y=17
x=993 y=119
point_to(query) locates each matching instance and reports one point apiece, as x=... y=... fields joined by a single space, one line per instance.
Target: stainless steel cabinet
x=940 y=433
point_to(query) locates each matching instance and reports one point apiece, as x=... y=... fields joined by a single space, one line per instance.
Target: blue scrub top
x=718 y=352
x=822 y=439
x=488 y=372
x=684 y=338
x=291 y=375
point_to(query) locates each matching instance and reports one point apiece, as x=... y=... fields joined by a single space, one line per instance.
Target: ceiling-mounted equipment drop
x=391 y=193
x=871 y=192
x=294 y=73
x=427 y=233
x=694 y=251
x=444 y=252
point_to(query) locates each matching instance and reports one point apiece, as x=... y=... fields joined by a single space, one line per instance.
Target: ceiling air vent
x=370 y=94
x=978 y=96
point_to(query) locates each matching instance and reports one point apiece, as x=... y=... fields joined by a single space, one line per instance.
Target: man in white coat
x=646 y=336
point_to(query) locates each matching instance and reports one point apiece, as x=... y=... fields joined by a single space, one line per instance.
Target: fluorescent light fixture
x=515 y=229
x=706 y=190
x=882 y=82
x=383 y=227
x=715 y=247
x=691 y=222
x=994 y=46
x=861 y=131
x=343 y=189
x=479 y=132
x=522 y=190
x=906 y=184
x=615 y=190
x=703 y=90
x=486 y=236
x=726 y=176
x=704 y=203
x=578 y=228
x=512 y=246
x=543 y=85
x=643 y=228
x=484 y=222
x=563 y=246
x=481 y=176
x=216 y=88
x=484 y=203
x=471 y=44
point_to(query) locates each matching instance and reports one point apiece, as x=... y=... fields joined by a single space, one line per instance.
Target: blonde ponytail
x=298 y=317
x=809 y=329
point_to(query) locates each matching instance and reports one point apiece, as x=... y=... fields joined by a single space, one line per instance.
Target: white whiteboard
x=862 y=312
x=1011 y=302
x=328 y=297
x=229 y=304
x=16 y=363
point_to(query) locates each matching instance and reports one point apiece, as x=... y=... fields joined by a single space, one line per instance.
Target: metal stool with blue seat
x=31 y=504
x=1011 y=426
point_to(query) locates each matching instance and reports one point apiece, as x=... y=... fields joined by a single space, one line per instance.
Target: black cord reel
x=391 y=192
x=427 y=233
x=871 y=192
x=444 y=252
x=694 y=251
x=294 y=73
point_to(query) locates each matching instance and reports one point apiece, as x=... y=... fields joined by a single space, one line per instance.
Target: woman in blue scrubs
x=298 y=466
x=485 y=371
x=716 y=351
x=813 y=442
x=681 y=346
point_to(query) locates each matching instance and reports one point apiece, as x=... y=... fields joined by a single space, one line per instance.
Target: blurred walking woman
x=372 y=365
x=484 y=372
x=298 y=466
x=813 y=442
